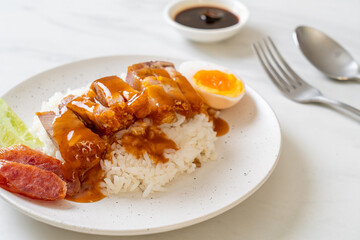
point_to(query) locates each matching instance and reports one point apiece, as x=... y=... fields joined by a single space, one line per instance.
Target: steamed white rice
x=194 y=137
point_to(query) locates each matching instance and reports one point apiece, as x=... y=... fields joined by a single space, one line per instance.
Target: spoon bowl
x=326 y=55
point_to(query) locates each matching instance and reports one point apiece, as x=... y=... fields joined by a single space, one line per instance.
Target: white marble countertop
x=314 y=191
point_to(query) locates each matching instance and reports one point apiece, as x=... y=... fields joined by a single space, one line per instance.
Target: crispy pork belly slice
x=143 y=75
x=100 y=119
x=159 y=64
x=108 y=91
x=137 y=72
x=182 y=106
x=180 y=103
x=162 y=105
x=189 y=92
x=91 y=94
x=80 y=148
x=139 y=105
x=113 y=92
x=65 y=101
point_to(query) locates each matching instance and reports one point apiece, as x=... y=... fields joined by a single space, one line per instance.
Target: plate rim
x=144 y=231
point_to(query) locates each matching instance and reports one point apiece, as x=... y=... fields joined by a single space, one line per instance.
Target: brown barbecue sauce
x=152 y=141
x=221 y=127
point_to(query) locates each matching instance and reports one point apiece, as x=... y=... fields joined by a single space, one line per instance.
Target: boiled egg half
x=218 y=87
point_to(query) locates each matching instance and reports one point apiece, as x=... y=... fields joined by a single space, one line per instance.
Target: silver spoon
x=326 y=54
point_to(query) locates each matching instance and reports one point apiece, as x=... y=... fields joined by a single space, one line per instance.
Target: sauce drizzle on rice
x=150 y=140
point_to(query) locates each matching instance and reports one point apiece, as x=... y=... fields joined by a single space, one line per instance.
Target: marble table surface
x=314 y=191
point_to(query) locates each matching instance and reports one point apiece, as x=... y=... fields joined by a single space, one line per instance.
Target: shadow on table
x=226 y=49
x=270 y=213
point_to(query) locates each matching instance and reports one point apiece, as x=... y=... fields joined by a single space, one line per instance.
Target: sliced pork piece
x=145 y=75
x=100 y=119
x=65 y=101
x=91 y=94
x=139 y=105
x=137 y=72
x=109 y=91
x=182 y=106
x=80 y=148
x=180 y=103
x=47 y=119
x=162 y=105
x=189 y=92
x=31 y=181
x=113 y=92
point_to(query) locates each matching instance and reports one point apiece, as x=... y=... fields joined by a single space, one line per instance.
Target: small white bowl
x=207 y=35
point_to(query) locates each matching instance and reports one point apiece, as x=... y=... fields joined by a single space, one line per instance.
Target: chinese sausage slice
x=31 y=181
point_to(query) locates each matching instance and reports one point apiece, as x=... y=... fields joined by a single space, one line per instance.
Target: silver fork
x=290 y=84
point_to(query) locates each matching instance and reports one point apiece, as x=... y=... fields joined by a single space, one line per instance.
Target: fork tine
x=273 y=79
x=280 y=79
x=297 y=78
x=289 y=79
x=272 y=73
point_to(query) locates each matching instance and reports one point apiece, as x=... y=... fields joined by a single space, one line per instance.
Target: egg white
x=190 y=68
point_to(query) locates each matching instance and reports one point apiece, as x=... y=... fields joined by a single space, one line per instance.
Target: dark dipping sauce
x=206 y=17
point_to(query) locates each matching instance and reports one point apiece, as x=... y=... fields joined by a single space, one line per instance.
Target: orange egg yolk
x=218 y=82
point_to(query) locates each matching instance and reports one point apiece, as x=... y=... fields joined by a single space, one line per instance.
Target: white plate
x=247 y=156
